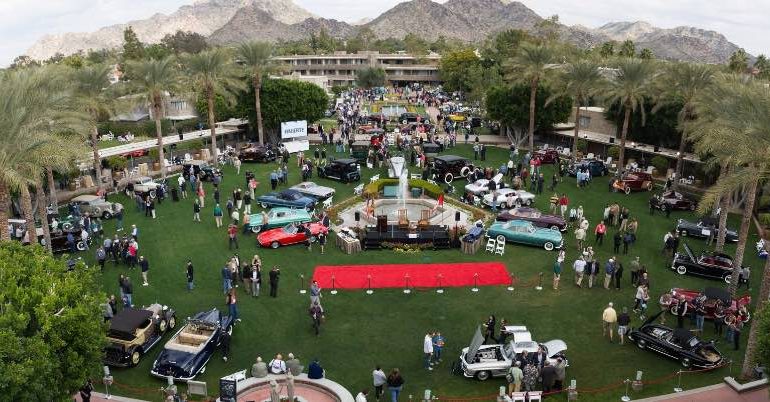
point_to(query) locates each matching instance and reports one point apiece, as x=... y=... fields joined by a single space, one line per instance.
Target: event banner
x=293 y=129
x=297 y=145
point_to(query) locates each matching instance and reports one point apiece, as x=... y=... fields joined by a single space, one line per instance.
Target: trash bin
x=174 y=194
x=416 y=192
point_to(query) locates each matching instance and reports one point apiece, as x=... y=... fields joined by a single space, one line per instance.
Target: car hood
x=689 y=252
x=475 y=344
x=555 y=347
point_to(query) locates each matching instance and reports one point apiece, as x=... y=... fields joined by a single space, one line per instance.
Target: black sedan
x=709 y=265
x=185 y=355
x=702 y=229
x=673 y=200
x=678 y=344
x=258 y=153
x=595 y=167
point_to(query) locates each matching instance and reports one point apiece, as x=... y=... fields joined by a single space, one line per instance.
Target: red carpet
x=420 y=275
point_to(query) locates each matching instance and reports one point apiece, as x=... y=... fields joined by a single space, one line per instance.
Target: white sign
x=297 y=145
x=294 y=129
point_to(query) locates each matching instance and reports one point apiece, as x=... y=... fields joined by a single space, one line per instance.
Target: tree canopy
x=133 y=49
x=455 y=69
x=370 y=77
x=510 y=106
x=286 y=100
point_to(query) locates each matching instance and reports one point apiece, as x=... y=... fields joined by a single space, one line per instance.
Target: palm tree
x=90 y=87
x=683 y=82
x=214 y=74
x=629 y=87
x=580 y=79
x=530 y=65
x=751 y=345
x=257 y=58
x=154 y=80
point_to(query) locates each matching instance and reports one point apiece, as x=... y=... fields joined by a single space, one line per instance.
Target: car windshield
x=290 y=229
x=508 y=349
x=290 y=196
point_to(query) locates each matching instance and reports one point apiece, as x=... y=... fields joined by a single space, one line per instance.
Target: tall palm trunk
x=532 y=105
x=751 y=346
x=258 y=106
x=97 y=159
x=157 y=108
x=682 y=145
x=212 y=121
x=29 y=215
x=43 y=213
x=724 y=204
x=577 y=125
x=743 y=234
x=623 y=134
x=5 y=201
x=51 y=188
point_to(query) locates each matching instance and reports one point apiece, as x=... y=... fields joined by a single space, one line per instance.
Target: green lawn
x=387 y=327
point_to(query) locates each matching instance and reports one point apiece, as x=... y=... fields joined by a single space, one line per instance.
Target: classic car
x=133 y=332
x=707 y=264
x=431 y=149
x=524 y=232
x=409 y=118
x=508 y=197
x=204 y=171
x=142 y=185
x=185 y=355
x=136 y=153
x=59 y=242
x=287 y=198
x=487 y=361
x=97 y=206
x=732 y=306
x=595 y=167
x=359 y=150
x=290 y=234
x=673 y=200
x=481 y=186
x=314 y=190
x=634 y=181
x=535 y=216
x=344 y=170
x=447 y=167
x=278 y=217
x=457 y=117
x=702 y=229
x=546 y=156
x=258 y=153
x=678 y=344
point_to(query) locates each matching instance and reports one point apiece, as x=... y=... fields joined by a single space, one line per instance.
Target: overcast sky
x=744 y=22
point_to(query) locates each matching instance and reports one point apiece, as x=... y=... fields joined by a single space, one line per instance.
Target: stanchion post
x=540 y=282
x=440 y=290
x=678 y=387
x=369 y=285
x=475 y=287
x=510 y=287
x=572 y=393
x=302 y=290
x=107 y=380
x=625 y=397
x=406 y=284
x=334 y=286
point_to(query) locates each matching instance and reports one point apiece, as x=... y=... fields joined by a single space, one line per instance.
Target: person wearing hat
x=609 y=318
x=609 y=271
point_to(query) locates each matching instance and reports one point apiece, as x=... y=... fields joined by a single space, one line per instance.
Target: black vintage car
x=205 y=171
x=709 y=265
x=673 y=200
x=185 y=355
x=447 y=167
x=702 y=229
x=595 y=167
x=59 y=242
x=679 y=344
x=344 y=170
x=258 y=153
x=133 y=332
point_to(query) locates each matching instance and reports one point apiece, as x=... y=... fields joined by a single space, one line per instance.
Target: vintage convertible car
x=508 y=198
x=133 y=332
x=314 y=190
x=96 y=206
x=595 y=167
x=257 y=153
x=486 y=361
x=143 y=186
x=290 y=234
x=679 y=344
x=546 y=156
x=278 y=217
x=732 y=306
x=524 y=232
x=673 y=200
x=702 y=229
x=185 y=355
x=709 y=265
x=287 y=198
x=481 y=186
x=634 y=181
x=534 y=215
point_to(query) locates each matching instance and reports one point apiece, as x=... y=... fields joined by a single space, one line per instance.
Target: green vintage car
x=524 y=232
x=278 y=217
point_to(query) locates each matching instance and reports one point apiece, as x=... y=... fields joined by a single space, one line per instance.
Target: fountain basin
x=321 y=390
x=391 y=208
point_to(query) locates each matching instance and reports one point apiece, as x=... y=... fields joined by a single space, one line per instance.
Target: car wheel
x=256 y=229
x=727 y=278
x=263 y=205
x=683 y=232
x=106 y=215
x=681 y=270
x=275 y=244
x=641 y=344
x=482 y=375
x=518 y=202
x=67 y=226
x=554 y=227
x=627 y=190
x=500 y=239
x=448 y=178
x=649 y=187
x=663 y=207
x=465 y=171
x=673 y=309
x=528 y=202
x=134 y=356
x=95 y=211
x=163 y=325
x=548 y=246
x=693 y=206
x=153 y=194
x=748 y=317
x=81 y=246
x=172 y=322
x=686 y=363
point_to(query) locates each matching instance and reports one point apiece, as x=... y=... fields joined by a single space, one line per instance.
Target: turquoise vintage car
x=278 y=217
x=524 y=232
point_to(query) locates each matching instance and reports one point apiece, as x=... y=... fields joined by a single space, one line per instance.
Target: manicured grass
x=387 y=327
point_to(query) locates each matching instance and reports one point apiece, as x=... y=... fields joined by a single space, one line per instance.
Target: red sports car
x=738 y=306
x=547 y=156
x=636 y=181
x=136 y=154
x=290 y=234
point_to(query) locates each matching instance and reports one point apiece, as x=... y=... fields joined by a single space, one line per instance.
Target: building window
x=585 y=121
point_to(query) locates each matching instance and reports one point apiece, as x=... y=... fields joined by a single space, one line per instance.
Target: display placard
x=297 y=145
x=294 y=129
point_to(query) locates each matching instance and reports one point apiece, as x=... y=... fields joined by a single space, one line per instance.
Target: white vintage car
x=509 y=198
x=481 y=186
x=314 y=190
x=142 y=185
x=485 y=361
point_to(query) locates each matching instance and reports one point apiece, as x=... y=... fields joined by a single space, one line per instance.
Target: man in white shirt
x=182 y=188
x=379 y=379
x=427 y=349
x=580 y=266
x=277 y=365
x=361 y=397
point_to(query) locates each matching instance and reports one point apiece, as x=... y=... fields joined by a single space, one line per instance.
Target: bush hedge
x=372 y=190
x=147 y=128
x=660 y=163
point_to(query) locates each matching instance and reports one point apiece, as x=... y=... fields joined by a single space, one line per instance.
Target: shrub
x=763 y=202
x=372 y=190
x=117 y=162
x=582 y=146
x=764 y=219
x=660 y=163
x=614 y=152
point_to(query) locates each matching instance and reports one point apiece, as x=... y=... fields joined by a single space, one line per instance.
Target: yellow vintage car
x=457 y=117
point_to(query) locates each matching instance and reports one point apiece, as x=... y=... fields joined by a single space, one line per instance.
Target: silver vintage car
x=485 y=361
x=97 y=206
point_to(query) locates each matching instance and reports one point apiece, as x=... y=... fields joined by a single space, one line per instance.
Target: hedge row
x=372 y=190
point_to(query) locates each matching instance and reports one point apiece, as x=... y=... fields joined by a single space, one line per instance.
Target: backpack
x=509 y=375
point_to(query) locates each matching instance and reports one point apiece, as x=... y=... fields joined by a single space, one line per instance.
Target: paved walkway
x=714 y=393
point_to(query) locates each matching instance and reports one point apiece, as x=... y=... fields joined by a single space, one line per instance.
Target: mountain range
x=234 y=21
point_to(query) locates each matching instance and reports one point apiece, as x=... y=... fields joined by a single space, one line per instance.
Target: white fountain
x=398 y=166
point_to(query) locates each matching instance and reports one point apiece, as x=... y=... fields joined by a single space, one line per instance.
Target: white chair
x=608 y=162
x=358 y=189
x=328 y=202
x=590 y=155
x=535 y=396
x=500 y=248
x=491 y=245
x=187 y=157
x=476 y=201
x=415 y=176
x=519 y=397
x=374 y=178
x=431 y=181
x=650 y=169
x=566 y=151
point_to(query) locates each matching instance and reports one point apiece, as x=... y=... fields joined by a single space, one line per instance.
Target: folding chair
x=328 y=202
x=374 y=178
x=415 y=176
x=476 y=201
x=358 y=189
x=519 y=396
x=500 y=248
x=535 y=396
x=491 y=245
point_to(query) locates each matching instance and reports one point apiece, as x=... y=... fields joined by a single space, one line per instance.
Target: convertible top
x=122 y=326
x=682 y=336
x=719 y=294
